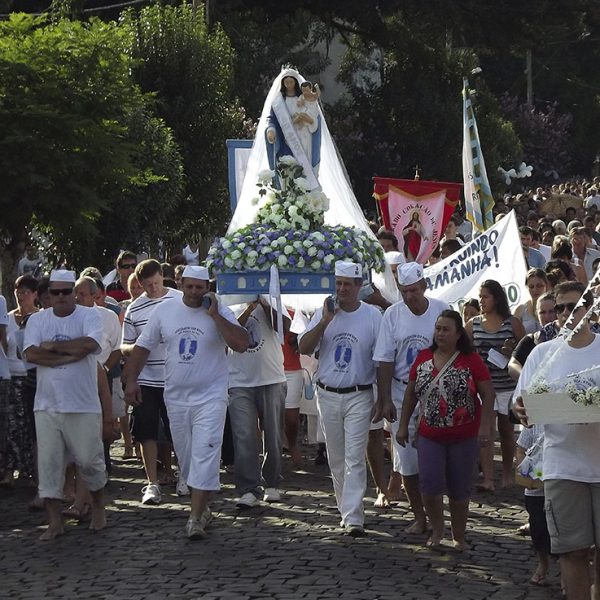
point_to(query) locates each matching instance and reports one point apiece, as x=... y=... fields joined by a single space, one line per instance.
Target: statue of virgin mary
x=323 y=168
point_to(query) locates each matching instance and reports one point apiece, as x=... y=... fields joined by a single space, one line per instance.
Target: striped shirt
x=136 y=317
x=483 y=341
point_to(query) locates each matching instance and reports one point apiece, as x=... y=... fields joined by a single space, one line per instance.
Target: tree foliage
x=189 y=69
x=69 y=109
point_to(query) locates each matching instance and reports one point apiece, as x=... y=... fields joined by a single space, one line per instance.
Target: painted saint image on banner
x=414 y=235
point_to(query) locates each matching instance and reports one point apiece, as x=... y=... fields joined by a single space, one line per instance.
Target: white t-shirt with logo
x=570 y=451
x=262 y=363
x=346 y=348
x=195 y=352
x=136 y=317
x=403 y=335
x=71 y=388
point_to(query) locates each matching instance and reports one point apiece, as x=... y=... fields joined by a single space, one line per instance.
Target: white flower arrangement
x=587 y=395
x=289 y=231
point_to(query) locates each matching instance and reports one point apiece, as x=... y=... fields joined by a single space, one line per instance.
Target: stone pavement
x=292 y=549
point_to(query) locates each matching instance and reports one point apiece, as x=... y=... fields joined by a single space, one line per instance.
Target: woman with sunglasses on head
x=494 y=335
x=446 y=380
x=21 y=430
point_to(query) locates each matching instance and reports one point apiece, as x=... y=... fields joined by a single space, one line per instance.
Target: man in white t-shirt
x=571 y=470
x=63 y=342
x=345 y=338
x=407 y=328
x=196 y=379
x=150 y=416
x=593 y=199
x=257 y=390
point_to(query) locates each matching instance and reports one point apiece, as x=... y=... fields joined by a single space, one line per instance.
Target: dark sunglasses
x=63 y=291
x=128 y=266
x=570 y=306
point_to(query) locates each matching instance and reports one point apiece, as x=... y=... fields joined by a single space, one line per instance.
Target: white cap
x=63 y=275
x=196 y=272
x=393 y=257
x=409 y=273
x=347 y=269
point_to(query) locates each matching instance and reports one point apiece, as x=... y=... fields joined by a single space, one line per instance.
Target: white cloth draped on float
x=333 y=179
x=343 y=207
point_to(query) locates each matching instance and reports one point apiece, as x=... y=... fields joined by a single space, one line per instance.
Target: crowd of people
x=154 y=357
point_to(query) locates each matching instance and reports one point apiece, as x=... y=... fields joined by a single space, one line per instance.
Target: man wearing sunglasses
x=64 y=341
x=571 y=467
x=126 y=264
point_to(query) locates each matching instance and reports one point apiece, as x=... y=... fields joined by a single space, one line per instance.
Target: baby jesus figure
x=308 y=109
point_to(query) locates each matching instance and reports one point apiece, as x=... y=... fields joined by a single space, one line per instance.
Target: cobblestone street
x=291 y=549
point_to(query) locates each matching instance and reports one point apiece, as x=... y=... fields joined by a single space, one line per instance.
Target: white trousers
x=346 y=419
x=80 y=435
x=197 y=433
x=405 y=460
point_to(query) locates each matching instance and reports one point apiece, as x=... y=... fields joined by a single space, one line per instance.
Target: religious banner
x=424 y=193
x=417 y=222
x=495 y=254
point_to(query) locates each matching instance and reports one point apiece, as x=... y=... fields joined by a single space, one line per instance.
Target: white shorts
x=118 y=400
x=295 y=385
x=502 y=402
x=405 y=460
x=80 y=435
x=197 y=433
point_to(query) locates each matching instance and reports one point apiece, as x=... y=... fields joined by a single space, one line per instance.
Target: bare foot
x=508 y=482
x=417 y=527
x=98 y=518
x=382 y=501
x=296 y=456
x=485 y=486
x=460 y=545
x=52 y=533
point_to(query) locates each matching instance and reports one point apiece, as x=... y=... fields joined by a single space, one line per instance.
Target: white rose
x=297 y=244
x=312 y=251
x=228 y=262
x=315 y=265
x=293 y=211
x=266 y=250
x=288 y=249
x=226 y=244
x=251 y=261
x=242 y=245
x=236 y=254
x=288 y=160
x=300 y=264
x=302 y=183
x=266 y=175
x=282 y=260
x=284 y=224
x=253 y=254
x=328 y=259
x=317 y=235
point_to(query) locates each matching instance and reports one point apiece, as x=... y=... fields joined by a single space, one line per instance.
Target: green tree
x=67 y=100
x=189 y=69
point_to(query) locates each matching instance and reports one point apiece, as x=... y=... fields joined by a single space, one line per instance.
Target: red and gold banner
x=416 y=211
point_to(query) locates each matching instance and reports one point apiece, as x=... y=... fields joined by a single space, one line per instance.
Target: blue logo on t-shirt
x=187 y=348
x=342 y=356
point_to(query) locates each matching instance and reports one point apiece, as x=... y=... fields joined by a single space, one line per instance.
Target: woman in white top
x=537 y=283
x=21 y=431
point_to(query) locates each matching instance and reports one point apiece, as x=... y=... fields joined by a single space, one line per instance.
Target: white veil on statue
x=343 y=207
